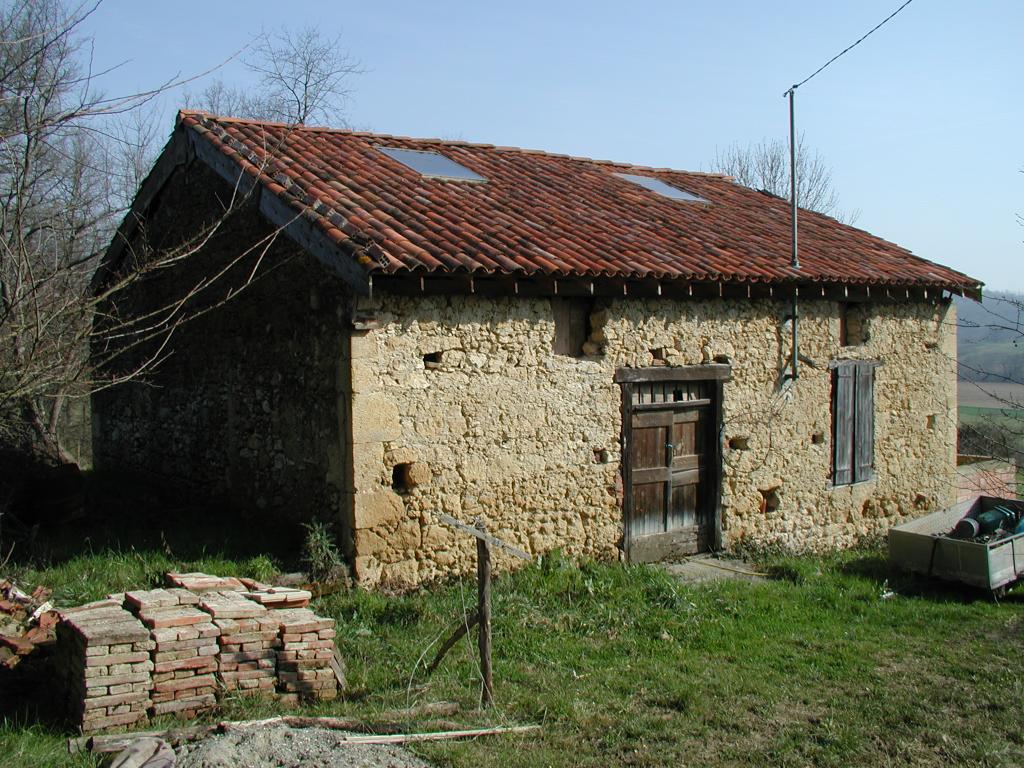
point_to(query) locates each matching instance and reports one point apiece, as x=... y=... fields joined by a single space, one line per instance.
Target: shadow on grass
x=25 y=696
x=129 y=515
x=874 y=567
x=877 y=568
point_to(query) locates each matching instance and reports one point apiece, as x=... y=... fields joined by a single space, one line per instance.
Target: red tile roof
x=555 y=215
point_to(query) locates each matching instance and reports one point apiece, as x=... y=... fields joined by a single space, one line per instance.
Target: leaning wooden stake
x=483 y=578
x=457 y=634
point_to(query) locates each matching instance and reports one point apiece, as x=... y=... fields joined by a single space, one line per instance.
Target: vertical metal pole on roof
x=795 y=262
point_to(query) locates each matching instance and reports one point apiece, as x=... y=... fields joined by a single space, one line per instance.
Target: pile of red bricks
x=304 y=658
x=103 y=656
x=247 y=661
x=277 y=597
x=173 y=650
x=185 y=653
x=204 y=582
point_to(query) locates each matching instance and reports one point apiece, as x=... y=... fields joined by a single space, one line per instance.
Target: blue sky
x=922 y=124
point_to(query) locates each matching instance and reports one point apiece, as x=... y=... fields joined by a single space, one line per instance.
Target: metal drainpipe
x=795 y=263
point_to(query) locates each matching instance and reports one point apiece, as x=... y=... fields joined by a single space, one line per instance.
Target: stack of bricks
x=204 y=582
x=161 y=651
x=304 y=668
x=103 y=653
x=277 y=597
x=247 y=660
x=185 y=652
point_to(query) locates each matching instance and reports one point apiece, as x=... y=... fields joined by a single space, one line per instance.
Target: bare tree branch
x=71 y=161
x=304 y=77
x=765 y=166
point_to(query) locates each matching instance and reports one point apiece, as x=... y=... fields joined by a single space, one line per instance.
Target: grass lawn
x=1004 y=417
x=623 y=665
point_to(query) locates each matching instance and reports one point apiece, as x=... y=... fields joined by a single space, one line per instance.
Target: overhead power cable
x=851 y=47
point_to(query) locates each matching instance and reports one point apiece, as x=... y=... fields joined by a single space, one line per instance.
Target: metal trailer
x=922 y=546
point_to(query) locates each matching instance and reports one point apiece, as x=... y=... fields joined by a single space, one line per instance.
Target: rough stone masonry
x=495 y=424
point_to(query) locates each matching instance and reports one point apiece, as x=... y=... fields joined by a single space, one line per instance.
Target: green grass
x=624 y=665
x=1007 y=416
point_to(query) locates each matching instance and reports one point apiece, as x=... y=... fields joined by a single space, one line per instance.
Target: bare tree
x=765 y=166
x=990 y=369
x=70 y=159
x=53 y=212
x=219 y=98
x=304 y=77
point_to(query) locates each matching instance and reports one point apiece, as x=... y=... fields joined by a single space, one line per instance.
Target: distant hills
x=990 y=337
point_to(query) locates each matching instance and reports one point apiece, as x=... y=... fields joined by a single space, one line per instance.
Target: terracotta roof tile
x=550 y=214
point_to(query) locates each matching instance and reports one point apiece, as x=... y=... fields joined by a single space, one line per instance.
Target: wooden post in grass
x=483 y=589
x=484 y=541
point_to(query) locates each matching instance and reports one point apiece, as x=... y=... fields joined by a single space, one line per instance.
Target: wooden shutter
x=843 y=384
x=571 y=318
x=864 y=422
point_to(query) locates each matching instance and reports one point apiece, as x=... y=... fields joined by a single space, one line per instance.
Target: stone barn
x=593 y=356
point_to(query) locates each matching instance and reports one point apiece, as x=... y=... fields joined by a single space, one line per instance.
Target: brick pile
x=185 y=652
x=304 y=669
x=247 y=660
x=277 y=597
x=173 y=650
x=204 y=582
x=103 y=655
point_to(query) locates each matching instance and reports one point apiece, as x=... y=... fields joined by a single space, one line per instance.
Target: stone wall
x=460 y=406
x=244 y=409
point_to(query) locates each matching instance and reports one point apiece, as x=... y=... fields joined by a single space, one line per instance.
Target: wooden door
x=672 y=457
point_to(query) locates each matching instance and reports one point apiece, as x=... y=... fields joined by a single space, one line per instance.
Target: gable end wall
x=245 y=413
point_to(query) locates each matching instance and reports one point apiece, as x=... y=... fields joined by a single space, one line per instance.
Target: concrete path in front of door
x=708 y=567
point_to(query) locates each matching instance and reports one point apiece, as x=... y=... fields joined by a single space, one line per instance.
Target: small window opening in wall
x=739 y=443
x=817 y=438
x=432 y=361
x=769 y=499
x=931 y=421
x=853 y=324
x=572 y=325
x=400 y=482
x=658 y=356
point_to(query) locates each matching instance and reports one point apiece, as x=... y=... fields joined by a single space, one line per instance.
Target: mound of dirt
x=282 y=747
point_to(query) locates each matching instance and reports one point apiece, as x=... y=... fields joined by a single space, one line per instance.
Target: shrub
x=320 y=554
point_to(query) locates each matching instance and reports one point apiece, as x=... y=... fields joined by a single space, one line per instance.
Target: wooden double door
x=671 y=467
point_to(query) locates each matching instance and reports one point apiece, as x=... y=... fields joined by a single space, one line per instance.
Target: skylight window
x=659 y=186
x=431 y=164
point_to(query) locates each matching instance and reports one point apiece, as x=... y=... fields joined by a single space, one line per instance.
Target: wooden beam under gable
x=286 y=218
x=310 y=237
